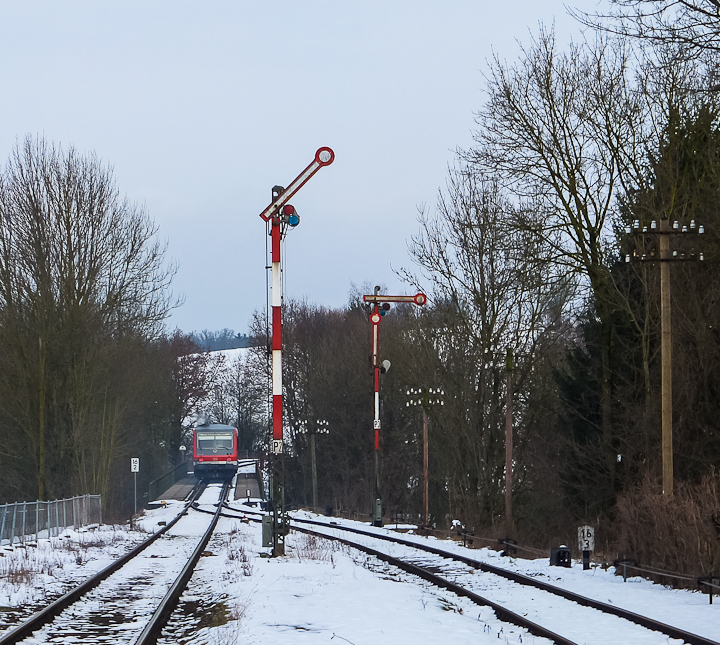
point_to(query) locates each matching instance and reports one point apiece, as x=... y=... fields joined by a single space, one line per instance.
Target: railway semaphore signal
x=280 y=216
x=381 y=304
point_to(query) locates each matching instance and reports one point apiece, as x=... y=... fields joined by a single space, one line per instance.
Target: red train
x=215 y=451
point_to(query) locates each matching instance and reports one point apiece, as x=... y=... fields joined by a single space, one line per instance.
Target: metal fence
x=27 y=520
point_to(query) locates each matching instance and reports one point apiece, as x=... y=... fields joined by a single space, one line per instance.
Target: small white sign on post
x=135 y=468
x=277 y=446
x=586 y=538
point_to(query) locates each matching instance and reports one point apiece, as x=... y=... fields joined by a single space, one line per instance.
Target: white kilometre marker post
x=135 y=468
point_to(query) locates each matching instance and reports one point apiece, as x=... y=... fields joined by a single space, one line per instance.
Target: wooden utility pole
x=314 y=469
x=666 y=358
x=426 y=401
x=663 y=232
x=307 y=427
x=508 y=446
x=426 y=495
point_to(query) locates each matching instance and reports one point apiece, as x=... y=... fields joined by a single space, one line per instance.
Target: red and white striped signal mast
x=280 y=215
x=382 y=304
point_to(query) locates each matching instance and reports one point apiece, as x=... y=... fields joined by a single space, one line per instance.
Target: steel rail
x=644 y=621
x=501 y=612
x=162 y=614
x=232 y=517
x=195 y=491
x=45 y=615
x=639 y=619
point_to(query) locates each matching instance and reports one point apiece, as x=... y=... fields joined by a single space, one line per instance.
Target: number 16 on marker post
x=586 y=543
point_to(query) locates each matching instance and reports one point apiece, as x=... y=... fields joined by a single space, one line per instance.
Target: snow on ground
x=34 y=574
x=231 y=355
x=322 y=592
x=687 y=610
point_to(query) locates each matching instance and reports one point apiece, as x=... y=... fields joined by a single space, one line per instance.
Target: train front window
x=216 y=442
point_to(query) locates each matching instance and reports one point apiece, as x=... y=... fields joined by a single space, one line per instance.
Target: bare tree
x=237 y=398
x=493 y=290
x=692 y=24
x=565 y=132
x=81 y=271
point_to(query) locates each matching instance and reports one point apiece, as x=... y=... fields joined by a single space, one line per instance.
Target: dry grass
x=238 y=565
x=237 y=557
x=238 y=611
x=679 y=534
x=229 y=631
x=22 y=565
x=309 y=547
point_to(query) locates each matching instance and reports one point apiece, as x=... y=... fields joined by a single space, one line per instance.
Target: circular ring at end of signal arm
x=324 y=156
x=420 y=299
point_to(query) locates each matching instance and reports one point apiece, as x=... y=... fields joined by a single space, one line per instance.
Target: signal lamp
x=290 y=215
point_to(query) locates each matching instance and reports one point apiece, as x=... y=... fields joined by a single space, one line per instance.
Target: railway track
x=566 y=618
x=131 y=600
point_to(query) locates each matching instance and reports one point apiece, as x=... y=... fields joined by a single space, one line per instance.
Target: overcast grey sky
x=202 y=107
